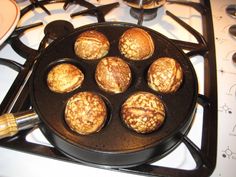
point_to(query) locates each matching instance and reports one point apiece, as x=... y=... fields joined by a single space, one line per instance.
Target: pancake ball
x=136 y=44
x=64 y=78
x=113 y=75
x=143 y=112
x=85 y=113
x=165 y=75
x=91 y=45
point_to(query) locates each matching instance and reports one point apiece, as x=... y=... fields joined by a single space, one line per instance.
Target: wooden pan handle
x=8 y=125
x=11 y=123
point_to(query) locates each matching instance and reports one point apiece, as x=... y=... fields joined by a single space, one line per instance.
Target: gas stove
x=196 y=155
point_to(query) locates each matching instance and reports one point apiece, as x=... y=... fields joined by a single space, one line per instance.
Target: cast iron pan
x=115 y=145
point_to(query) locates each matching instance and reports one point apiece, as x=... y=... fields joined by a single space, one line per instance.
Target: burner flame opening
x=145 y=8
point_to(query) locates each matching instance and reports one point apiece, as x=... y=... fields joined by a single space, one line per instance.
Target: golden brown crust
x=113 y=74
x=165 y=75
x=136 y=44
x=143 y=112
x=91 y=45
x=85 y=113
x=64 y=78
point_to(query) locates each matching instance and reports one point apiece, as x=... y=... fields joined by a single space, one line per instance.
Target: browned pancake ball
x=91 y=45
x=136 y=44
x=85 y=113
x=143 y=112
x=64 y=78
x=113 y=74
x=165 y=75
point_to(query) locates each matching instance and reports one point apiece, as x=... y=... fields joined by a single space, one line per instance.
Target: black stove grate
x=205 y=156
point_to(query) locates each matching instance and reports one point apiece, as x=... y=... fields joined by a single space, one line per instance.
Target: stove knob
x=234 y=58
x=232 y=31
x=231 y=10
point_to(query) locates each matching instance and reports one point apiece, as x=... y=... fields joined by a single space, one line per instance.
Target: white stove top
x=226 y=73
x=13 y=163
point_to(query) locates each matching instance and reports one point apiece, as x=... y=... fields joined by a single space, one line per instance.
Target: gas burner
x=54 y=30
x=58 y=28
x=144 y=9
x=148 y=14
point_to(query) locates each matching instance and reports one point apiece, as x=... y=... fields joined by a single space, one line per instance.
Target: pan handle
x=12 y=123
